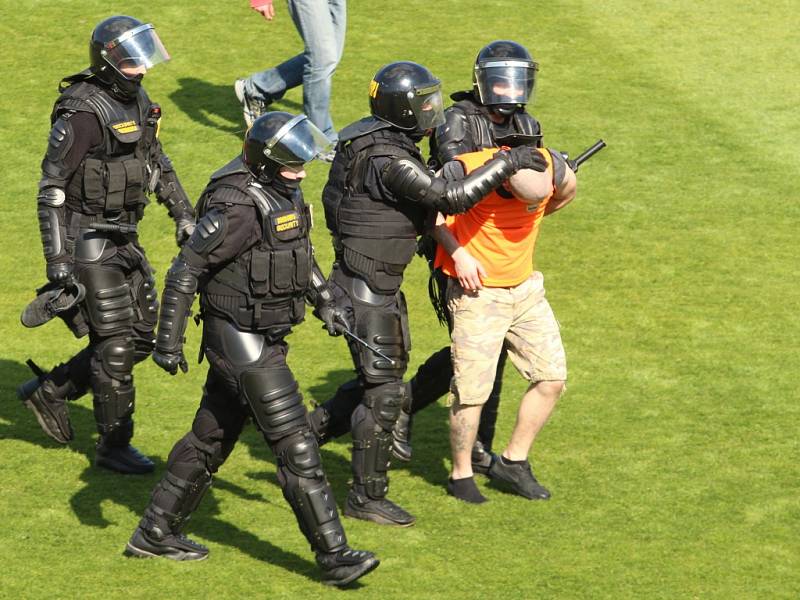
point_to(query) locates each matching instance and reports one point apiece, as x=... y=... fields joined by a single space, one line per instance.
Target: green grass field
x=673 y=458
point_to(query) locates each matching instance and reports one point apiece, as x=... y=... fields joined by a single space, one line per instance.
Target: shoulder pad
x=70 y=80
x=234 y=166
x=462 y=95
x=60 y=140
x=454 y=128
x=227 y=194
x=208 y=233
x=362 y=127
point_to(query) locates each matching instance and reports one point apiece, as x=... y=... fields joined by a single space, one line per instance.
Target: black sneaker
x=345 y=566
x=122 y=459
x=482 y=458
x=401 y=437
x=155 y=543
x=381 y=511
x=520 y=477
x=51 y=412
x=252 y=107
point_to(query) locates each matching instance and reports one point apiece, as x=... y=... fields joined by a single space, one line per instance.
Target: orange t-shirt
x=500 y=232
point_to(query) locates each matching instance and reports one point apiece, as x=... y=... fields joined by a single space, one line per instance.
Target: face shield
x=506 y=82
x=136 y=48
x=427 y=106
x=297 y=142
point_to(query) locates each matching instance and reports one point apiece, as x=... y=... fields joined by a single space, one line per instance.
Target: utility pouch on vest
x=259 y=271
x=134 y=181
x=282 y=267
x=115 y=188
x=302 y=269
x=93 y=188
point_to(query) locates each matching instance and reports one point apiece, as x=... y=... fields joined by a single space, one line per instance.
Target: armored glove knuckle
x=525 y=157
x=59 y=272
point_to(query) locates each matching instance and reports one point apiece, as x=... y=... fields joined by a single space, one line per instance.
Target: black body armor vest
x=474 y=130
x=264 y=287
x=112 y=179
x=374 y=238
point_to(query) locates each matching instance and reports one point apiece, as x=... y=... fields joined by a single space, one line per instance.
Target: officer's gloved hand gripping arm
x=407 y=179
x=170 y=193
x=180 y=286
x=320 y=296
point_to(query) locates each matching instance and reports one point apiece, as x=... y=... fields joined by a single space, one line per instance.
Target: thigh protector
x=381 y=328
x=308 y=492
x=109 y=304
x=112 y=384
x=274 y=400
x=143 y=285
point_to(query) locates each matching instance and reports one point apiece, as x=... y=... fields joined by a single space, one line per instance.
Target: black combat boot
x=345 y=566
x=377 y=510
x=152 y=542
x=114 y=452
x=50 y=409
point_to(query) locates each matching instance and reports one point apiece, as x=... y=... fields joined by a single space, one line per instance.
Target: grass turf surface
x=673 y=458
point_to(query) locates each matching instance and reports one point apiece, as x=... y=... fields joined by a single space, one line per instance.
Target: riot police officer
x=252 y=262
x=103 y=157
x=491 y=115
x=377 y=199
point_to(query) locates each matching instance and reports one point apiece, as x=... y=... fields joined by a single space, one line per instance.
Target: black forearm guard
x=52 y=223
x=319 y=291
x=409 y=180
x=176 y=302
x=170 y=192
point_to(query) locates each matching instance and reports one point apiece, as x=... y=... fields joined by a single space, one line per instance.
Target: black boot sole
x=366 y=567
x=43 y=420
x=365 y=515
x=134 y=552
x=122 y=468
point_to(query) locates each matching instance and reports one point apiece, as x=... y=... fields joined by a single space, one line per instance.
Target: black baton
x=373 y=349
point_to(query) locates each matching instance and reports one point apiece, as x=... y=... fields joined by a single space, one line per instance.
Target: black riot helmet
x=279 y=139
x=504 y=76
x=408 y=96
x=120 y=43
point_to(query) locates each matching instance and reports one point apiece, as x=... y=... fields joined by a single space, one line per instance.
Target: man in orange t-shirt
x=496 y=297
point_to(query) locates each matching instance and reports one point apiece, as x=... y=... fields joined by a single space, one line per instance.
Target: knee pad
x=143 y=285
x=383 y=330
x=112 y=385
x=108 y=303
x=385 y=401
x=275 y=401
x=308 y=492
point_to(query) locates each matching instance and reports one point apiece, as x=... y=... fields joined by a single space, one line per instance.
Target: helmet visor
x=428 y=107
x=136 y=48
x=506 y=82
x=296 y=143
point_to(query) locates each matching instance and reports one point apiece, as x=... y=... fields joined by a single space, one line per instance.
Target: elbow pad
x=51 y=222
x=463 y=195
x=407 y=180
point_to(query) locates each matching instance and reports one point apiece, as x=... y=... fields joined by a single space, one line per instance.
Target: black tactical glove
x=171 y=361
x=59 y=272
x=525 y=157
x=184 y=227
x=334 y=317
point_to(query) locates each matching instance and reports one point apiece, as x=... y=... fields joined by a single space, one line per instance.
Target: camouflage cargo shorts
x=519 y=316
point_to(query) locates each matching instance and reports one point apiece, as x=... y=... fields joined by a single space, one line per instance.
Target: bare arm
x=564 y=192
x=469 y=270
